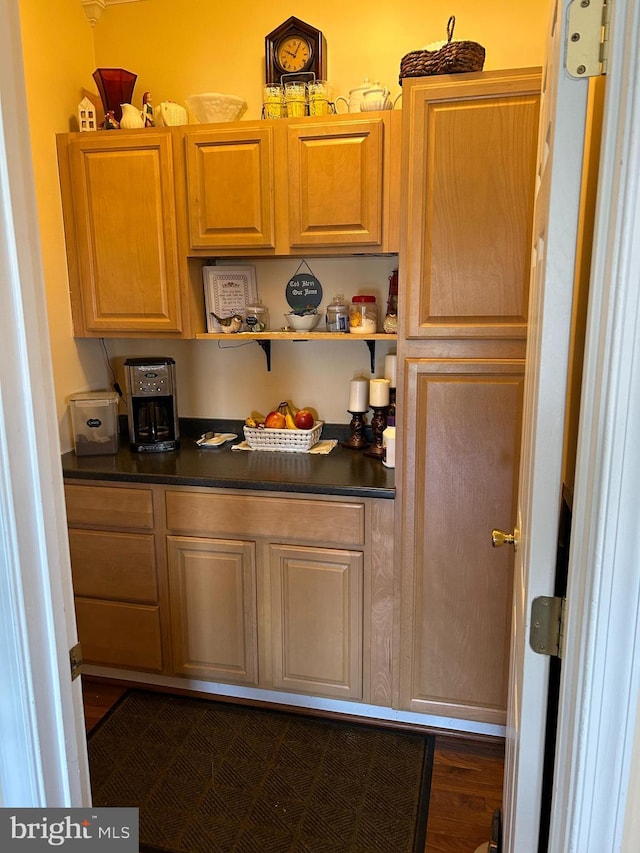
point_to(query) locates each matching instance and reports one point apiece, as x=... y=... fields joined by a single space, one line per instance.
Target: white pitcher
x=131 y=117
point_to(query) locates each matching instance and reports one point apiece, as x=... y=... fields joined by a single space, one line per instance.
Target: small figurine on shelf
x=86 y=115
x=110 y=121
x=147 y=110
x=229 y=325
x=390 y=324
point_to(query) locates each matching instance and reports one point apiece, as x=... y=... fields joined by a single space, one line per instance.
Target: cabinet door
x=316 y=604
x=120 y=222
x=230 y=186
x=336 y=183
x=469 y=167
x=460 y=473
x=212 y=592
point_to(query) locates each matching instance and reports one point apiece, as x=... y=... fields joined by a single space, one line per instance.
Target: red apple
x=275 y=420
x=304 y=419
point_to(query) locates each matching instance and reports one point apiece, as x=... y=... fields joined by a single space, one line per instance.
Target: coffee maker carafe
x=152 y=407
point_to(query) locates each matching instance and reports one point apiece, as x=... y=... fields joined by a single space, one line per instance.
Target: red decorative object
x=115 y=86
x=392 y=299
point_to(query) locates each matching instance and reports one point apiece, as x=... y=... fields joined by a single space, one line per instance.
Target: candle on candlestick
x=359 y=395
x=390 y=368
x=378 y=392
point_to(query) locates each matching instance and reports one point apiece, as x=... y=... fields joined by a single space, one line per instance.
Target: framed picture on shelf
x=227 y=291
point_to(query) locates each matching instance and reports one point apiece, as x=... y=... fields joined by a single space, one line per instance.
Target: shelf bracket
x=372 y=352
x=265 y=346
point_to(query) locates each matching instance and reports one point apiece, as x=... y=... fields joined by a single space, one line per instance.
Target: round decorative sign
x=304 y=291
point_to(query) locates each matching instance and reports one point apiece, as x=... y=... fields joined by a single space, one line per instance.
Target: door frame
x=43 y=749
x=598 y=745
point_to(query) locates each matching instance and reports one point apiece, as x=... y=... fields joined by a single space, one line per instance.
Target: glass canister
x=338 y=315
x=319 y=94
x=363 y=315
x=273 y=104
x=295 y=96
x=257 y=317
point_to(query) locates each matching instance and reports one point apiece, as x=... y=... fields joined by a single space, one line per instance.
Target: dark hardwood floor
x=466 y=785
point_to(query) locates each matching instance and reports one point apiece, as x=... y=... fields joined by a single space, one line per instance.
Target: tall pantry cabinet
x=469 y=161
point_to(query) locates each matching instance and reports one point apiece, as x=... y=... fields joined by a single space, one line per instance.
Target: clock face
x=293 y=53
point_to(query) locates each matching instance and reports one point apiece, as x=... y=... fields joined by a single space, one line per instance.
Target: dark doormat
x=211 y=777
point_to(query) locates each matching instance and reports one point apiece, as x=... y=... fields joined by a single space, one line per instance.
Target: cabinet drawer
x=116 y=634
x=276 y=518
x=104 y=506
x=114 y=565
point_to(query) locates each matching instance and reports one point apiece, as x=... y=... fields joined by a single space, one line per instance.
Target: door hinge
x=547 y=625
x=75 y=659
x=588 y=37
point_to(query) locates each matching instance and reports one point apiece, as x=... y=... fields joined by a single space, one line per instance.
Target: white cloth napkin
x=322 y=447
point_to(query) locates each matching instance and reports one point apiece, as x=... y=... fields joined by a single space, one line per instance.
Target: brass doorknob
x=500 y=538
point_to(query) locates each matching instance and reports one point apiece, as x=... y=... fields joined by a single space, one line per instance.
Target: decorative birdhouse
x=87 y=115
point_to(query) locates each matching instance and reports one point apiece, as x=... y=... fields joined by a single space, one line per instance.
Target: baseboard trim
x=340 y=708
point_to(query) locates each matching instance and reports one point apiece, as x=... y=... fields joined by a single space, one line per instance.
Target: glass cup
x=295 y=95
x=319 y=93
x=273 y=105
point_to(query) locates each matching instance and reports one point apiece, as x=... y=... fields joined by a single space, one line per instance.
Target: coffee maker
x=152 y=408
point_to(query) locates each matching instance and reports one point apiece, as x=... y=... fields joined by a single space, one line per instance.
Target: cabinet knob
x=500 y=538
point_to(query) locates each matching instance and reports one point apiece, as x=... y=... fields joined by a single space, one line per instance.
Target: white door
x=43 y=750
x=561 y=145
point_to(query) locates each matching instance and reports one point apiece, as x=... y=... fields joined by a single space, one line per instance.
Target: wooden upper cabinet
x=120 y=222
x=336 y=183
x=230 y=186
x=469 y=170
x=284 y=187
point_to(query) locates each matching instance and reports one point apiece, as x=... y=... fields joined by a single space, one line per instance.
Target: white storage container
x=94 y=416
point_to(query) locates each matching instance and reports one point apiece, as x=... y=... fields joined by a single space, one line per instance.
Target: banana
x=291 y=424
x=250 y=422
x=285 y=409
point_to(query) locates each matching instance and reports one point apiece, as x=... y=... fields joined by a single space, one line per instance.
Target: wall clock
x=295 y=47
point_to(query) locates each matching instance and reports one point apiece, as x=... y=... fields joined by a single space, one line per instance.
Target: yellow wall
x=177 y=49
x=192 y=46
x=58 y=62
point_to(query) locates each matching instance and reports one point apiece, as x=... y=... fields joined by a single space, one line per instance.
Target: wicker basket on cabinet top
x=454 y=57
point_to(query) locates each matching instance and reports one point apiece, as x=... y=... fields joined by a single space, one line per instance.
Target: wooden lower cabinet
x=115 y=576
x=274 y=606
x=316 y=597
x=281 y=592
x=212 y=588
x=120 y=634
x=460 y=481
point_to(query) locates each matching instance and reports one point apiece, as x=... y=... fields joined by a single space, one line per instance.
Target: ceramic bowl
x=212 y=107
x=302 y=322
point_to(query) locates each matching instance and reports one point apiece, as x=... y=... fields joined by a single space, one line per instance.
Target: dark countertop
x=341 y=472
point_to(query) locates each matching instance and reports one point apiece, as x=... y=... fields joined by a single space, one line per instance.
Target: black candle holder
x=378 y=424
x=357 y=439
x=391 y=412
